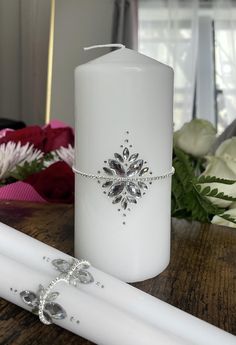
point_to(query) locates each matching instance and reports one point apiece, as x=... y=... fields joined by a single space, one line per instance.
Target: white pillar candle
x=78 y=312
x=123 y=115
x=39 y=256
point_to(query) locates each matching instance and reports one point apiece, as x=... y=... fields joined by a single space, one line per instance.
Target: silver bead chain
x=125 y=179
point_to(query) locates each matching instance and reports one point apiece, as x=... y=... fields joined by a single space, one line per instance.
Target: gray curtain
x=125 y=23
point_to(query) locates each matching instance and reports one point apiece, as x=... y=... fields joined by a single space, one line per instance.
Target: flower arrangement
x=35 y=164
x=204 y=184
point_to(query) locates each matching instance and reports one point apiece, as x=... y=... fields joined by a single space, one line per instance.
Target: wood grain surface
x=200 y=279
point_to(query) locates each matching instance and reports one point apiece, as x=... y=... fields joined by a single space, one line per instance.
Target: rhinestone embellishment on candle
x=125 y=177
x=80 y=274
x=126 y=165
x=52 y=310
x=42 y=302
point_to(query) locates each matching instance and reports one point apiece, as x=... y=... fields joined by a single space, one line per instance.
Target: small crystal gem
x=61 y=265
x=117 y=199
x=119 y=157
x=131 y=200
x=133 y=189
x=108 y=171
x=117 y=167
x=116 y=189
x=135 y=168
x=29 y=297
x=124 y=203
x=133 y=157
x=143 y=171
x=142 y=185
x=126 y=153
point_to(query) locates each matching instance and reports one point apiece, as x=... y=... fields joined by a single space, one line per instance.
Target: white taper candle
x=39 y=256
x=83 y=314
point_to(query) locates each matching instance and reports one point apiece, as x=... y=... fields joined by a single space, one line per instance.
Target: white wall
x=78 y=23
x=24 y=32
x=35 y=23
x=10 y=59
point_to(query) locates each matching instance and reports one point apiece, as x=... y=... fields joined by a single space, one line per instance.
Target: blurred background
x=196 y=37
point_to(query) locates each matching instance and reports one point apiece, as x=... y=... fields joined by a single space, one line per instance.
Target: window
x=199 y=42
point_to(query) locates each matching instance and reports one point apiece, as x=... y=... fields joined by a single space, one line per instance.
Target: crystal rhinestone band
x=64 y=277
x=114 y=178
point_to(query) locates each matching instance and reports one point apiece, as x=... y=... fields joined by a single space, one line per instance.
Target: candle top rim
x=126 y=56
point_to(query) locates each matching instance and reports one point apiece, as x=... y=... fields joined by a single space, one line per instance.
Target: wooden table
x=201 y=277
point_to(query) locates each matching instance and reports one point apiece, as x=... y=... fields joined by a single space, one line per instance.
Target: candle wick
x=111 y=45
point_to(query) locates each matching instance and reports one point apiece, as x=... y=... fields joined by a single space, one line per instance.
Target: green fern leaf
x=27 y=169
x=190 y=198
x=228 y=217
x=213 y=179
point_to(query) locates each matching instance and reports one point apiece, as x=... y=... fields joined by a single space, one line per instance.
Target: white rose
x=221 y=221
x=227 y=151
x=195 y=137
x=233 y=205
x=217 y=167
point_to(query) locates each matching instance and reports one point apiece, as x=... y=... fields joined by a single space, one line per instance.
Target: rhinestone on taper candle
x=63 y=277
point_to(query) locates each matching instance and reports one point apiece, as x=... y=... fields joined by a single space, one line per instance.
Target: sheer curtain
x=168 y=32
x=225 y=38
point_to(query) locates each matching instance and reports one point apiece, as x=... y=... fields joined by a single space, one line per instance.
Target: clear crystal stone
x=119 y=157
x=135 y=168
x=117 y=199
x=85 y=265
x=143 y=171
x=133 y=189
x=47 y=316
x=117 y=167
x=55 y=311
x=41 y=289
x=61 y=265
x=84 y=276
x=124 y=203
x=116 y=189
x=108 y=171
x=107 y=184
x=126 y=153
x=74 y=281
x=52 y=296
x=142 y=185
x=29 y=298
x=131 y=200
x=133 y=157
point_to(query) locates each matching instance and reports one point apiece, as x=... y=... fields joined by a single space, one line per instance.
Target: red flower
x=33 y=134
x=54 y=184
x=47 y=139
x=57 y=137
